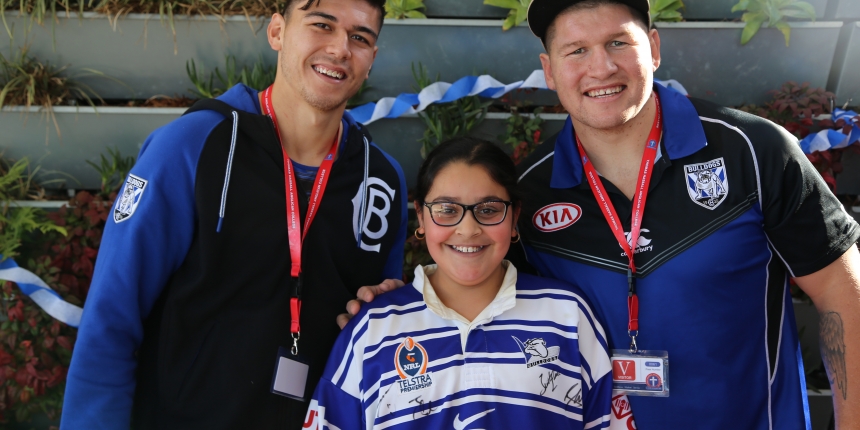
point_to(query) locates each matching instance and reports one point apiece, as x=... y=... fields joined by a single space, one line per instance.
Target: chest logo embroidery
x=370 y=208
x=129 y=198
x=643 y=244
x=410 y=360
x=536 y=352
x=707 y=183
x=556 y=216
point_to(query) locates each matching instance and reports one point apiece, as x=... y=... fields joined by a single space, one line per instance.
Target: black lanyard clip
x=631 y=283
x=296 y=286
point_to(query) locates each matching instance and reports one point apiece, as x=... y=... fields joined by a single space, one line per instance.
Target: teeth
x=605 y=92
x=467 y=249
x=327 y=72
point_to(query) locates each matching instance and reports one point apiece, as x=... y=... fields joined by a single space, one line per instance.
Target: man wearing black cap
x=702 y=271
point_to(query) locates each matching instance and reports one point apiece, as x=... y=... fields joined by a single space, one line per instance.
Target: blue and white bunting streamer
x=443 y=92
x=41 y=293
x=831 y=139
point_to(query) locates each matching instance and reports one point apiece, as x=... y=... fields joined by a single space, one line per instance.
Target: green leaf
x=659 y=5
x=507 y=4
x=785 y=29
x=751 y=29
x=414 y=14
x=742 y=5
x=510 y=21
x=414 y=4
x=671 y=16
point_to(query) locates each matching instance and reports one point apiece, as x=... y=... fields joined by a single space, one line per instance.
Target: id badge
x=291 y=375
x=644 y=373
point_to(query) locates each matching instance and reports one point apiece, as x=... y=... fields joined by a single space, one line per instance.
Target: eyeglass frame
x=469 y=208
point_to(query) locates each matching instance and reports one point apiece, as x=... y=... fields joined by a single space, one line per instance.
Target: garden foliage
x=449 y=120
x=772 y=12
x=61 y=248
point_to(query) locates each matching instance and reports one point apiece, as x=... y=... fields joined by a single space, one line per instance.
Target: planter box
x=399 y=137
x=140 y=51
x=87 y=133
x=722 y=9
x=462 y=9
x=453 y=49
x=847 y=9
x=845 y=75
x=708 y=59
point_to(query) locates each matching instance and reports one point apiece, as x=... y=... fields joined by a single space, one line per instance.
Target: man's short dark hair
x=379 y=5
x=592 y=4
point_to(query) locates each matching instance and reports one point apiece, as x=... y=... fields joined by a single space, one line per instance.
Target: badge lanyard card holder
x=635 y=372
x=291 y=370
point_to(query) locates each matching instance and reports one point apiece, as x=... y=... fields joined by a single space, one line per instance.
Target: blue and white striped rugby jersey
x=536 y=357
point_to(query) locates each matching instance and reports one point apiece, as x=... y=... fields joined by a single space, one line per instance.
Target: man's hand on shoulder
x=366 y=294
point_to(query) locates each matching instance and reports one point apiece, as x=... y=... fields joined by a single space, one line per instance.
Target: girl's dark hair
x=473 y=152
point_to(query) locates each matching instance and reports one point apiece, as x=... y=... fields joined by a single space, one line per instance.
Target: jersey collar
x=683 y=135
x=505 y=298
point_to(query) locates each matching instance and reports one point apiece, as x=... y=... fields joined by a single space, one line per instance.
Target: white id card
x=291 y=375
x=644 y=373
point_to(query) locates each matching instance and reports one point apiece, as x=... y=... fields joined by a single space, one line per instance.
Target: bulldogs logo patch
x=707 y=183
x=129 y=198
x=536 y=352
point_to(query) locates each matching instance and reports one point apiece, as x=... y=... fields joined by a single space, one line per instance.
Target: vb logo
x=371 y=206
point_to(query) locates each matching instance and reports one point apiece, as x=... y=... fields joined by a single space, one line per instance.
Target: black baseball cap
x=543 y=12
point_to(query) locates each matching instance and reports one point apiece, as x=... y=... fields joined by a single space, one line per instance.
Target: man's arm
x=147 y=235
x=835 y=291
x=394 y=266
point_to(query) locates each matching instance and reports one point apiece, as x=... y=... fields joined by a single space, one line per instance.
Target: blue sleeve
x=332 y=405
x=146 y=238
x=394 y=265
x=594 y=351
x=598 y=403
x=332 y=408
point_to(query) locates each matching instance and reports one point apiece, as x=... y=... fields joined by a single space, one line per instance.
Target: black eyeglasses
x=449 y=214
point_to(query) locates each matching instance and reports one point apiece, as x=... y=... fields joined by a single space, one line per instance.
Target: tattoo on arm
x=832 y=344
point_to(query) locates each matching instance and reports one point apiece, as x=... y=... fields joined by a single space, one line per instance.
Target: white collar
x=505 y=299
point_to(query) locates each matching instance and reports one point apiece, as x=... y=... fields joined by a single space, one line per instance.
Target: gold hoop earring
x=517 y=239
x=423 y=235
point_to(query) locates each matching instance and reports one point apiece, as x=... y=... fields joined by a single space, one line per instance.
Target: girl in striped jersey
x=470 y=344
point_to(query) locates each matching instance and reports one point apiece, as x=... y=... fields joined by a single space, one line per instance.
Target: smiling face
x=325 y=53
x=601 y=61
x=467 y=254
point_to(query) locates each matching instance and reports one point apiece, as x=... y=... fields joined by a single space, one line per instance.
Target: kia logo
x=556 y=216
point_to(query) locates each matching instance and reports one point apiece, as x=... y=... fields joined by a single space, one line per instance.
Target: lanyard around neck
x=646 y=169
x=295 y=233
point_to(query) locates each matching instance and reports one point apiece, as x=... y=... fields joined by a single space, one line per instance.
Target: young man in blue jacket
x=238 y=236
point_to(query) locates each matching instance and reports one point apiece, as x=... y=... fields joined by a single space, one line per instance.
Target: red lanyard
x=629 y=245
x=296 y=235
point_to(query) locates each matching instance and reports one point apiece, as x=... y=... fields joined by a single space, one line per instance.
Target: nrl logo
x=707 y=183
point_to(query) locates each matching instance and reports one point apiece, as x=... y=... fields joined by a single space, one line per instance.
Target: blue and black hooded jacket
x=190 y=298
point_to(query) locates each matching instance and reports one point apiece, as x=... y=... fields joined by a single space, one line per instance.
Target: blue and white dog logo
x=707 y=183
x=129 y=198
x=536 y=352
